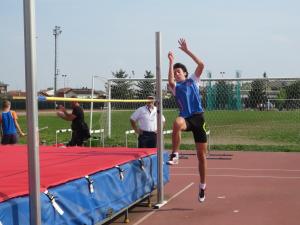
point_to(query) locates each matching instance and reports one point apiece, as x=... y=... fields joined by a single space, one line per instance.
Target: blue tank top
x=8 y=123
x=188 y=98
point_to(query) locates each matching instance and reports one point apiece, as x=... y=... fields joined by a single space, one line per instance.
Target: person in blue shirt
x=9 y=124
x=191 y=118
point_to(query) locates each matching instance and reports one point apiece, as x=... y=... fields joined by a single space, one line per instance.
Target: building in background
x=3 y=88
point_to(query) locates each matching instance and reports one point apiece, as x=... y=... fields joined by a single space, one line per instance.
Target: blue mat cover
x=80 y=206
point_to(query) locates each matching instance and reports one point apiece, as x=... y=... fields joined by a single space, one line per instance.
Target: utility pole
x=56 y=32
x=222 y=74
x=64 y=76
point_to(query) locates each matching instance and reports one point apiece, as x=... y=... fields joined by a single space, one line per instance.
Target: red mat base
x=58 y=165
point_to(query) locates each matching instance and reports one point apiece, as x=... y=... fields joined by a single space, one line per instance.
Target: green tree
x=146 y=87
x=293 y=92
x=224 y=95
x=281 y=97
x=257 y=94
x=121 y=88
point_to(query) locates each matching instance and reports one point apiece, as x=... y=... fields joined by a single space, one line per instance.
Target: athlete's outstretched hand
x=171 y=57
x=200 y=66
x=183 y=45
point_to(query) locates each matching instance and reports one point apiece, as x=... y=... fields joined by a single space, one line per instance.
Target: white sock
x=202 y=186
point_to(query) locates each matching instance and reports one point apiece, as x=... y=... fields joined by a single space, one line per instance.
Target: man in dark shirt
x=80 y=130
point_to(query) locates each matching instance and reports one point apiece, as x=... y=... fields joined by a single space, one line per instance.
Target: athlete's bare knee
x=179 y=124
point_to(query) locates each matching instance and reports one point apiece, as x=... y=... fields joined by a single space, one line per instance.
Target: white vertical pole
x=159 y=141
x=92 y=107
x=31 y=112
x=109 y=109
x=56 y=32
x=55 y=61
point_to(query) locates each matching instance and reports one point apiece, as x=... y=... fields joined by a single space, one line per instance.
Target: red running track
x=243 y=188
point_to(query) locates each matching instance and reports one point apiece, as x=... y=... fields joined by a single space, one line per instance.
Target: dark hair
x=75 y=100
x=5 y=104
x=181 y=66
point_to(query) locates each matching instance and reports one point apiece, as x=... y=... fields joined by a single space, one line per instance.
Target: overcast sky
x=102 y=36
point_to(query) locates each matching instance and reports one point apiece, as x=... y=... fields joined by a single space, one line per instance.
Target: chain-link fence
x=238 y=112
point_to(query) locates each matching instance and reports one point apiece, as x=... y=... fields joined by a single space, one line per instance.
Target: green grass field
x=230 y=130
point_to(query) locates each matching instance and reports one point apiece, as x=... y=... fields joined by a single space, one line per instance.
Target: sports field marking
x=242 y=169
x=221 y=197
x=170 y=199
x=232 y=175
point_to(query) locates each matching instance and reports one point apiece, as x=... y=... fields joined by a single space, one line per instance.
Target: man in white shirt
x=144 y=123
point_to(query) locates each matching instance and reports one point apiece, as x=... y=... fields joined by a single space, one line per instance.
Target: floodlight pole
x=64 y=76
x=31 y=112
x=56 y=32
x=159 y=140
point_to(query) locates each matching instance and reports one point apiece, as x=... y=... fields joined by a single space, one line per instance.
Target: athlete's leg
x=202 y=164
x=178 y=126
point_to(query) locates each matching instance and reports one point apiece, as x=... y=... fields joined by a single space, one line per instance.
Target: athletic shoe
x=173 y=159
x=201 y=196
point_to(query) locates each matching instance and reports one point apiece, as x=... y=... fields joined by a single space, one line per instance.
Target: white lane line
x=232 y=175
x=174 y=196
x=221 y=197
x=284 y=170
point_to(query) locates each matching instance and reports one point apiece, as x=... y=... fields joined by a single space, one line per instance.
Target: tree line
x=225 y=93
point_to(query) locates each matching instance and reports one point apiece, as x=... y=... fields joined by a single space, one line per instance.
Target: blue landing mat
x=81 y=204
